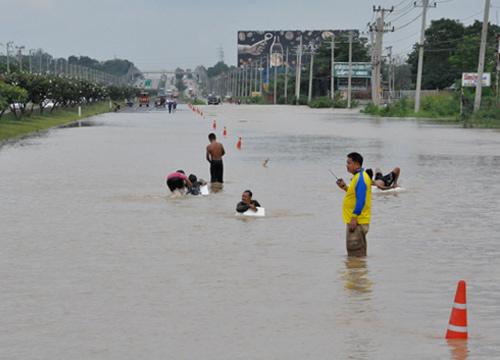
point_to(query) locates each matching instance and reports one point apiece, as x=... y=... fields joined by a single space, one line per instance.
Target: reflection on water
x=458 y=349
x=355 y=276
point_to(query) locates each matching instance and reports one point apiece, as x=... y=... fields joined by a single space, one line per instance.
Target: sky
x=164 y=34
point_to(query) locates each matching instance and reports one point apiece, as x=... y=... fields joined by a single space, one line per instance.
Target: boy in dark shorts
x=196 y=185
x=215 y=152
x=388 y=181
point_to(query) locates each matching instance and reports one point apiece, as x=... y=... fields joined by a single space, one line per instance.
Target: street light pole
x=298 y=71
x=7 y=49
x=286 y=77
x=20 y=57
x=349 y=80
x=275 y=83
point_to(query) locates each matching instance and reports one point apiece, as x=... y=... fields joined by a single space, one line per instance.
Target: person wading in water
x=215 y=152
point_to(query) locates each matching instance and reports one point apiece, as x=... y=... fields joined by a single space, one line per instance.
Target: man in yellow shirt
x=356 y=209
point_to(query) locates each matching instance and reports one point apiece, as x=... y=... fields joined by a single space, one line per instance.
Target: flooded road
x=97 y=261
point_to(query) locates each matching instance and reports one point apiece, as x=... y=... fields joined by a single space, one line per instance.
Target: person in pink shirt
x=178 y=180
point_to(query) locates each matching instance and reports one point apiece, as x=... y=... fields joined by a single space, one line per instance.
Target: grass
x=444 y=108
x=11 y=128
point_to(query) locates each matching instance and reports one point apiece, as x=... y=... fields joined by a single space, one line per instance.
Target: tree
x=402 y=77
x=467 y=55
x=217 y=69
x=179 y=74
x=179 y=84
x=10 y=94
x=442 y=38
x=450 y=49
x=323 y=60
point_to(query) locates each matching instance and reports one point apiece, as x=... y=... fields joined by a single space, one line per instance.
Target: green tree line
x=21 y=92
x=451 y=49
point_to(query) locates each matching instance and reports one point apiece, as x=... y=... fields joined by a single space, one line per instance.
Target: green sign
x=359 y=70
x=148 y=83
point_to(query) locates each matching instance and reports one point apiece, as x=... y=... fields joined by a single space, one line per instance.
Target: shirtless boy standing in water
x=215 y=152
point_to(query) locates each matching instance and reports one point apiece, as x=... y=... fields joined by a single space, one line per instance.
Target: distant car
x=48 y=104
x=213 y=100
x=16 y=106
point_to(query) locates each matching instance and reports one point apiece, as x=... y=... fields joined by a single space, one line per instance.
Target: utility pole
x=298 y=71
x=286 y=76
x=482 y=53
x=379 y=36
x=497 y=67
x=425 y=5
x=389 y=72
x=349 y=79
x=311 y=66
x=372 y=48
x=332 y=72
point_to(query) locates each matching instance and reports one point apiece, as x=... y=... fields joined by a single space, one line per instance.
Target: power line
x=408 y=10
x=410 y=22
x=405 y=38
x=399 y=3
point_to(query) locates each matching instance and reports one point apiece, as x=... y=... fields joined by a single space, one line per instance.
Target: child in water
x=196 y=185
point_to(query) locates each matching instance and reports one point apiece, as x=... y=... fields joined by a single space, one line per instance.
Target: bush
x=198 y=102
x=303 y=100
x=255 y=100
x=321 y=102
x=441 y=105
x=371 y=108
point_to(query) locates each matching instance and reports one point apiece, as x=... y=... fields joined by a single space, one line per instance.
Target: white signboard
x=470 y=79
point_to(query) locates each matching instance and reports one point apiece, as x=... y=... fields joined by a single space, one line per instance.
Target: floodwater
x=97 y=261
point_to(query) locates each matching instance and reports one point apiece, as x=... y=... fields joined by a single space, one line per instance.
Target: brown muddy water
x=97 y=261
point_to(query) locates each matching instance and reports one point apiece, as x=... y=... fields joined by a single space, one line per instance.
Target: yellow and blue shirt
x=358 y=199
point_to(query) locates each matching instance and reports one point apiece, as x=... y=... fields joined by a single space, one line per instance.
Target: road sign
x=359 y=70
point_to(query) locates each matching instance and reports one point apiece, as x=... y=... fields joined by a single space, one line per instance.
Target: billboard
x=255 y=46
x=358 y=70
x=470 y=79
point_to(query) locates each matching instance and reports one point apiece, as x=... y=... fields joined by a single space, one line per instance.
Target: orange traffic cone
x=214 y=125
x=224 y=132
x=457 y=328
x=238 y=144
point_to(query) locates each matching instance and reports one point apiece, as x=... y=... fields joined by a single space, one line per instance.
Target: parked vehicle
x=48 y=104
x=144 y=99
x=213 y=100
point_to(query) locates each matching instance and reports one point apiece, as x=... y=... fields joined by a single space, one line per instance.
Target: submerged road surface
x=97 y=261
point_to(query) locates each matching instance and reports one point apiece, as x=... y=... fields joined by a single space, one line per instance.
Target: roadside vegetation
x=13 y=128
x=445 y=107
x=30 y=102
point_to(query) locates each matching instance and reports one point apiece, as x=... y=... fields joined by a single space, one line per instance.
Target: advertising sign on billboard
x=470 y=79
x=358 y=70
x=257 y=46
